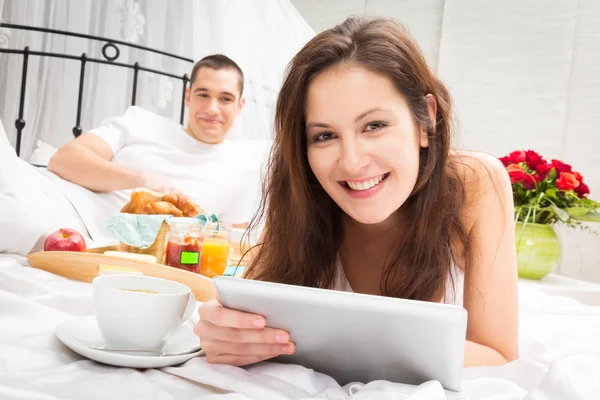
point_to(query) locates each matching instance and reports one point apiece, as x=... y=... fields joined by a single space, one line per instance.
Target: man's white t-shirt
x=224 y=179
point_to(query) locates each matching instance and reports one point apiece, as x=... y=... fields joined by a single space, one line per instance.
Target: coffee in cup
x=136 y=312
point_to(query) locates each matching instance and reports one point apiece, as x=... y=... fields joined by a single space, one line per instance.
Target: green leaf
x=592 y=216
x=551 y=192
x=560 y=213
x=577 y=211
x=571 y=196
x=589 y=203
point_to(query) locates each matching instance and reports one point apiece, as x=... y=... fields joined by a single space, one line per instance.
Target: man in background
x=142 y=149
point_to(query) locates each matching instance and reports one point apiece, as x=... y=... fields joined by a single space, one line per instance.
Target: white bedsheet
x=560 y=349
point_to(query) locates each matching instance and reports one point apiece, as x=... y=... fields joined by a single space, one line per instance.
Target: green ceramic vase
x=538 y=250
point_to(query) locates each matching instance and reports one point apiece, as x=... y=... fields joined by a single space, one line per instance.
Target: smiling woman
x=358 y=154
x=364 y=193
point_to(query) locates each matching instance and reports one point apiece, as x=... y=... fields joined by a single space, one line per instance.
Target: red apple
x=64 y=239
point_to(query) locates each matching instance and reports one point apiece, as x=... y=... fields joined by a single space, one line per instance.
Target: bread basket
x=156 y=249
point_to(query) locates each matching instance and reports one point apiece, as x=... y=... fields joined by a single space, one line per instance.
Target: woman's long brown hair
x=303 y=226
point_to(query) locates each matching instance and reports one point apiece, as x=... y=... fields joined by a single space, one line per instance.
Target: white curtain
x=261 y=35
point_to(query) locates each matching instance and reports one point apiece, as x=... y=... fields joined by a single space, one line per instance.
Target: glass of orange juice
x=216 y=249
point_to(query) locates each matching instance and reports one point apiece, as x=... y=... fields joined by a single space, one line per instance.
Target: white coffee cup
x=140 y=312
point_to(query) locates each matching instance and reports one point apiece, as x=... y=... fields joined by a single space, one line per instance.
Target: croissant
x=144 y=201
x=139 y=199
x=182 y=202
x=162 y=207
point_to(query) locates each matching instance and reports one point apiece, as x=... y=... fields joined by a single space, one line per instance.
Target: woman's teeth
x=366 y=184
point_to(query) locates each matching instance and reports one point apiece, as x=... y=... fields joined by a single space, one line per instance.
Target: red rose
x=561 y=166
x=517 y=156
x=514 y=168
x=578 y=176
x=533 y=159
x=543 y=170
x=528 y=182
x=582 y=190
x=506 y=160
x=567 y=181
x=518 y=175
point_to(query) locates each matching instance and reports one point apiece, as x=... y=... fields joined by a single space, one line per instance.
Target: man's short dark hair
x=217 y=62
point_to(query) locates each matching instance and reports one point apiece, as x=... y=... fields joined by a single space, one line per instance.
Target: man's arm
x=86 y=161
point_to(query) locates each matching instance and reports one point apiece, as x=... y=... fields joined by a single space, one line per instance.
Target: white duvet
x=559 y=338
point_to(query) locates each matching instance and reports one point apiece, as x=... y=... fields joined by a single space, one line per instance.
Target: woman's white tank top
x=454 y=286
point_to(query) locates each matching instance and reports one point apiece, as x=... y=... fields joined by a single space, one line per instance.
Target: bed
x=559 y=343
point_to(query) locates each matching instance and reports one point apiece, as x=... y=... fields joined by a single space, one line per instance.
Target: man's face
x=213 y=101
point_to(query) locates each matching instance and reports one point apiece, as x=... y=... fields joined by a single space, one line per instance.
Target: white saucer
x=81 y=332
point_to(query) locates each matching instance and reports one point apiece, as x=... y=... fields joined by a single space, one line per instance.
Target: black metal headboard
x=84 y=59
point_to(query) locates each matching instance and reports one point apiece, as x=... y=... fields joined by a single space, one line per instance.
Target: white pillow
x=42 y=153
x=31 y=207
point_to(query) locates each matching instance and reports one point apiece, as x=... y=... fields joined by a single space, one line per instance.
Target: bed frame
x=110 y=52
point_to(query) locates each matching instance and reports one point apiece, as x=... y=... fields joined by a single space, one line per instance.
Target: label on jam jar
x=186 y=255
x=189 y=257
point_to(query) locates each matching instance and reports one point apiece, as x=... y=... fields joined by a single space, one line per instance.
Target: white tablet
x=355 y=337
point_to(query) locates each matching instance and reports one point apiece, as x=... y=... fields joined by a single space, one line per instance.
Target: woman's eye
x=321 y=137
x=373 y=126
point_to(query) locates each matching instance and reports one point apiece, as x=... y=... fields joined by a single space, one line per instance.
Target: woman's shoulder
x=485 y=180
x=479 y=170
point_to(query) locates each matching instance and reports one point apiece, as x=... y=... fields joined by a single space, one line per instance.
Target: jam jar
x=184 y=244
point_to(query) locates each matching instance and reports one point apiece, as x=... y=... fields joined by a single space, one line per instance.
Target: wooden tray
x=84 y=267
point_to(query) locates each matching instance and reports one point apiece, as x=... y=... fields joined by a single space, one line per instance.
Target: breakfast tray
x=85 y=266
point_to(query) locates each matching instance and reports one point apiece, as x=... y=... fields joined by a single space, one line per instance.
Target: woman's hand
x=237 y=338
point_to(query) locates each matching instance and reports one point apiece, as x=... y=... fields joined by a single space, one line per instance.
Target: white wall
x=523 y=74
x=422 y=17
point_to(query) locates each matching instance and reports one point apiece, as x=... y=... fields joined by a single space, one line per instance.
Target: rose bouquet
x=548 y=192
